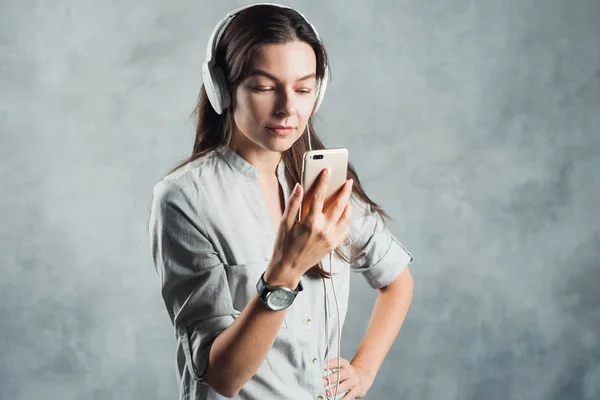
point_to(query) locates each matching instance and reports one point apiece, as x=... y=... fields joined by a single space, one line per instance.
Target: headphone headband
x=213 y=76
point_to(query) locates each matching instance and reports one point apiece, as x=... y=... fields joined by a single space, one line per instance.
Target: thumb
x=290 y=215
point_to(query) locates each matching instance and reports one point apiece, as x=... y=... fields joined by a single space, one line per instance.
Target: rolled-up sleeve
x=382 y=256
x=194 y=284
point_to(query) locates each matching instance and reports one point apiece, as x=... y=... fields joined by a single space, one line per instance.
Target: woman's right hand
x=300 y=245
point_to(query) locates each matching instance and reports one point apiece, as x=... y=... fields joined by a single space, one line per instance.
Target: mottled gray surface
x=481 y=139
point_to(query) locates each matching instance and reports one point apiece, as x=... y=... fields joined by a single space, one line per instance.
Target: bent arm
x=387 y=317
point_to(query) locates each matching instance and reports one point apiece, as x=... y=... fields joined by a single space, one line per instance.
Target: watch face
x=280 y=299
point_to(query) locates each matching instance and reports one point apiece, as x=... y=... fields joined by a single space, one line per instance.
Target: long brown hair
x=248 y=31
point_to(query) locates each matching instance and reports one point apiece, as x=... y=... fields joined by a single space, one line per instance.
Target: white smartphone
x=314 y=162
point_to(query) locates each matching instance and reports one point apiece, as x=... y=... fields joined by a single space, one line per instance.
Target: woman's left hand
x=353 y=379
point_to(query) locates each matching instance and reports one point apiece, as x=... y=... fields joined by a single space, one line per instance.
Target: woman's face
x=279 y=91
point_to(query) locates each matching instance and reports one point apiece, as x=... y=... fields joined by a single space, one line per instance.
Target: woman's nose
x=286 y=104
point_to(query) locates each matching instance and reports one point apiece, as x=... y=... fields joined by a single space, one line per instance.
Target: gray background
x=474 y=124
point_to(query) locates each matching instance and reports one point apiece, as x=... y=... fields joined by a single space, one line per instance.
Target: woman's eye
x=270 y=89
x=262 y=90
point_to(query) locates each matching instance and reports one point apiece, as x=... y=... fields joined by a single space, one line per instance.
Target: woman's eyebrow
x=260 y=72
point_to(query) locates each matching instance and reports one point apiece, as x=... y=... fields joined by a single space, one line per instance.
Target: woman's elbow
x=214 y=378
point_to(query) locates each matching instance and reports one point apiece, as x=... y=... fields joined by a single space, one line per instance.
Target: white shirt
x=211 y=238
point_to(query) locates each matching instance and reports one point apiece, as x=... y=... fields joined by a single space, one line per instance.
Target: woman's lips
x=280 y=130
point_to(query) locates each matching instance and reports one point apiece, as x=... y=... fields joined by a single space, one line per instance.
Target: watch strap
x=262 y=286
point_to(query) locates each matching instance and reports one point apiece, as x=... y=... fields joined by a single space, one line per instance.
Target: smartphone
x=314 y=161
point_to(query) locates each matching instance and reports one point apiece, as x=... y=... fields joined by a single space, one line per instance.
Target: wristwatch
x=276 y=297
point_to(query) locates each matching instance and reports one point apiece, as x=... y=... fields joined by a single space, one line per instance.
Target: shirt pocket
x=242 y=279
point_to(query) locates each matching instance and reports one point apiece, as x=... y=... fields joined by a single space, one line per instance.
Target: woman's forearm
x=239 y=350
x=387 y=317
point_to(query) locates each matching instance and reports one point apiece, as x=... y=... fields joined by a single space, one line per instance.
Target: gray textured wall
x=481 y=138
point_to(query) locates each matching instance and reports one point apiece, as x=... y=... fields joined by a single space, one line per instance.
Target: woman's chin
x=279 y=143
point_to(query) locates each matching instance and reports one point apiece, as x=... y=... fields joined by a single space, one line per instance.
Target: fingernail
x=297 y=189
x=326 y=171
x=351 y=182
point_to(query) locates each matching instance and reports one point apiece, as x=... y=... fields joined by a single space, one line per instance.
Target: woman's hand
x=299 y=245
x=353 y=379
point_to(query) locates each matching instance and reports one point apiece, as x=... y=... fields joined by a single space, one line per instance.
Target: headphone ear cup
x=215 y=85
x=223 y=87
x=321 y=88
x=211 y=87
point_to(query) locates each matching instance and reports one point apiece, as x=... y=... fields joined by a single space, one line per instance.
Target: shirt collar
x=238 y=162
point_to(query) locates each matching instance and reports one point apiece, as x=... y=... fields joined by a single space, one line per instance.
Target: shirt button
x=308 y=321
x=319 y=397
x=314 y=360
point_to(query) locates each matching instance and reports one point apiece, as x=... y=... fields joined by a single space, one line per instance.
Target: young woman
x=225 y=232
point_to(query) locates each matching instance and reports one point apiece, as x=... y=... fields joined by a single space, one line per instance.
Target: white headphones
x=213 y=77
